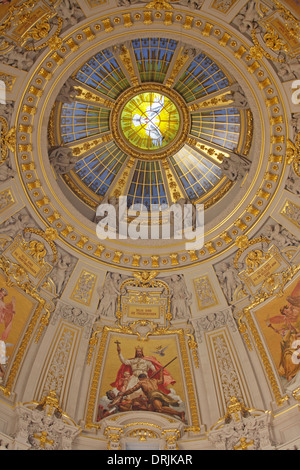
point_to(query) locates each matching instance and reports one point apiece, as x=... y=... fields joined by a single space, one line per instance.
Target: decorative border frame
x=98 y=364
x=274 y=285
x=14 y=275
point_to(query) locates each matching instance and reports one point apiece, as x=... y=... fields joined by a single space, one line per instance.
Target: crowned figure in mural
x=137 y=365
x=142 y=384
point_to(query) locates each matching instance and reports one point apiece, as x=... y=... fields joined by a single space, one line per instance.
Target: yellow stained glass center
x=150 y=121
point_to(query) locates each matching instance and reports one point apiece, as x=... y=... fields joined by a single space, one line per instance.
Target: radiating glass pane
x=197 y=174
x=147 y=185
x=103 y=73
x=202 y=77
x=153 y=57
x=220 y=126
x=79 y=120
x=99 y=169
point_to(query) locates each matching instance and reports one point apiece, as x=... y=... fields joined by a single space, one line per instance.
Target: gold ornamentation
x=211 y=152
x=127 y=61
x=28 y=23
x=48 y=235
x=291 y=24
x=8 y=79
x=6 y=200
x=84 y=288
x=180 y=61
x=292 y=212
x=50 y=403
x=222 y=5
x=7 y=139
x=133 y=291
x=121 y=182
x=249 y=132
x=16 y=276
x=192 y=344
x=216 y=101
x=274 y=284
x=143 y=434
x=243 y=243
x=79 y=150
x=204 y=292
x=195 y=426
x=159 y=5
x=243 y=444
x=145 y=277
x=42 y=437
x=293 y=154
x=88 y=95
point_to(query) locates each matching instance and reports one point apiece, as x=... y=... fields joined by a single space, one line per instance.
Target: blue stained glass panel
x=147 y=186
x=99 y=169
x=202 y=77
x=221 y=127
x=153 y=57
x=197 y=174
x=79 y=120
x=103 y=73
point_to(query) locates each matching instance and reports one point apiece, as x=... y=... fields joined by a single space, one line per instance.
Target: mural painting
x=143 y=377
x=15 y=310
x=279 y=321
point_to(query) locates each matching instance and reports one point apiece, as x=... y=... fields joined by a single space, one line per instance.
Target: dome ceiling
x=151 y=122
x=95 y=93
x=161 y=102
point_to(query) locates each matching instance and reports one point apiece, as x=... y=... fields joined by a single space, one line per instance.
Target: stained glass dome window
x=141 y=135
x=149 y=121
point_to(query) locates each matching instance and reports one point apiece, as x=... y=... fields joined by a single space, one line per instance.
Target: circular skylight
x=145 y=138
x=150 y=121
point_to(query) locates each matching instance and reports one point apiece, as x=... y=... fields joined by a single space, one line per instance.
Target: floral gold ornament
x=293 y=154
x=159 y=5
x=7 y=139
